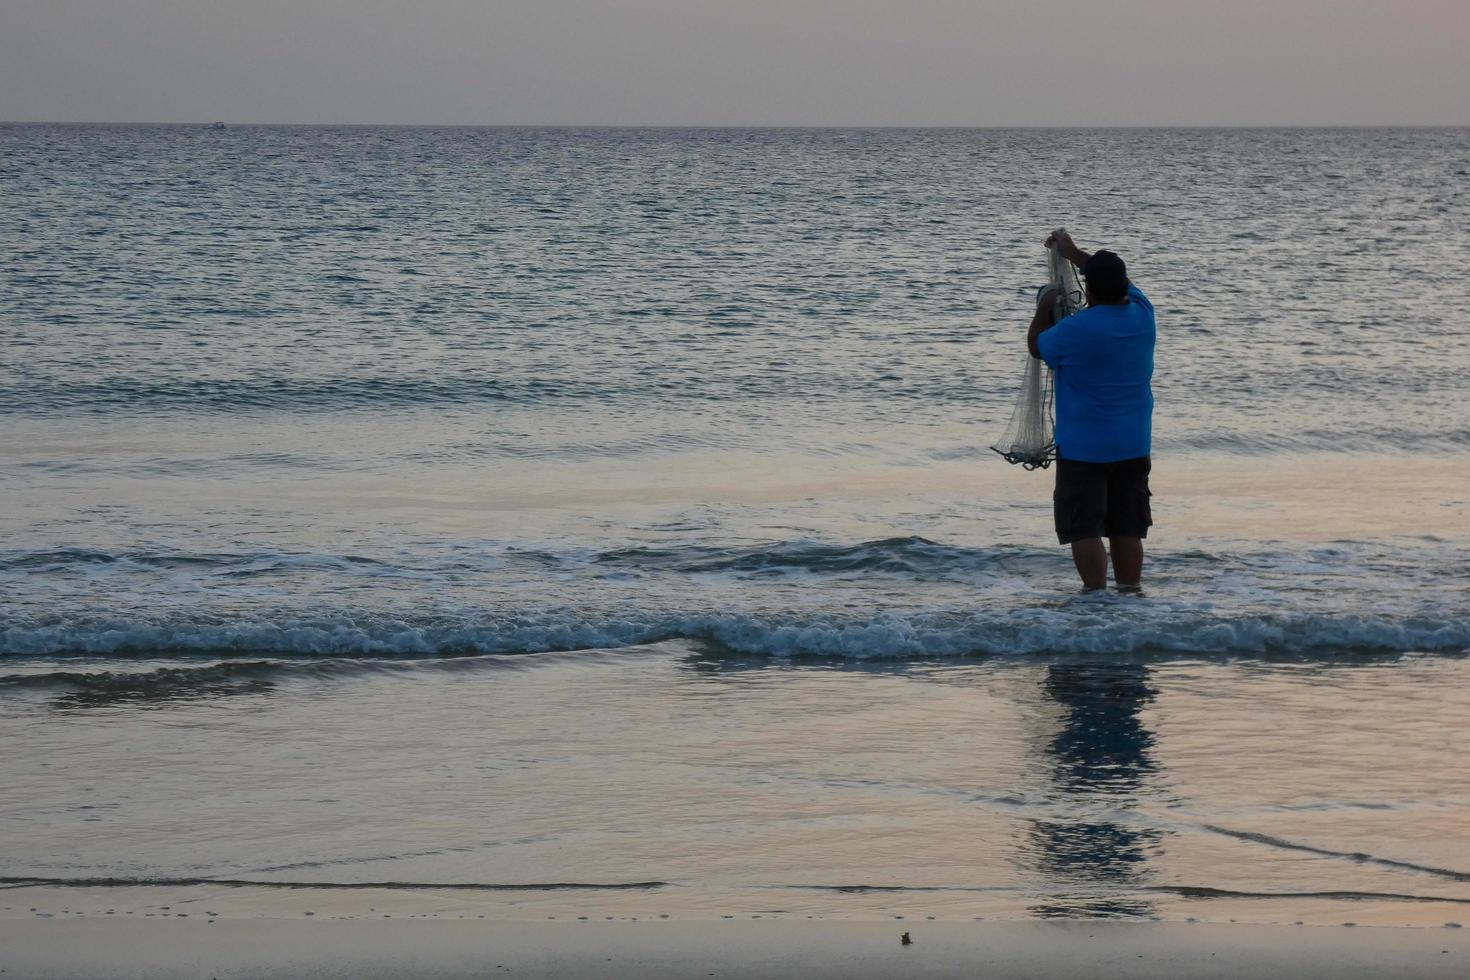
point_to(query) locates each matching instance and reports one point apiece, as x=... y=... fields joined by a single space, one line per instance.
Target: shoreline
x=221 y=901
x=74 y=949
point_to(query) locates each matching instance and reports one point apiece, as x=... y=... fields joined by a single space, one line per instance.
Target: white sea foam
x=1121 y=627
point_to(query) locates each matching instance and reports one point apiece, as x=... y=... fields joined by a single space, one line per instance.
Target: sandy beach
x=750 y=949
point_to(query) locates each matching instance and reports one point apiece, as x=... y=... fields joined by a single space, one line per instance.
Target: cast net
x=1029 y=438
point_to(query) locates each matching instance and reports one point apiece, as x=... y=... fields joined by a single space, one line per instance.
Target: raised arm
x=1043 y=320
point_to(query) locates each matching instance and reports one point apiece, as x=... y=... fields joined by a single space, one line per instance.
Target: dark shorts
x=1102 y=500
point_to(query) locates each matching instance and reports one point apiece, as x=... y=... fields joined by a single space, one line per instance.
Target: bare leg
x=1127 y=561
x=1091 y=559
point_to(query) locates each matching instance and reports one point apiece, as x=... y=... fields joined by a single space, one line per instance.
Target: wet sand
x=75 y=949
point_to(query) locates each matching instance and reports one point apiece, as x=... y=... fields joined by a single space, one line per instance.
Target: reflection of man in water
x=1101 y=761
x=1103 y=359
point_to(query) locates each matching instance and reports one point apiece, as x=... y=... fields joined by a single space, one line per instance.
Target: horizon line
x=752 y=126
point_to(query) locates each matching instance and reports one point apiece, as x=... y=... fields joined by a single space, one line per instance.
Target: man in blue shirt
x=1103 y=360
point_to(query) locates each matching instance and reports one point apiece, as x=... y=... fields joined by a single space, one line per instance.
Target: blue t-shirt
x=1103 y=357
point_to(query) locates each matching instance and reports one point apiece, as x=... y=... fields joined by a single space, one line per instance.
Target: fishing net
x=1029 y=438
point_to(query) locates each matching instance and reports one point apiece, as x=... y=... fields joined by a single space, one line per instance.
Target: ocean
x=560 y=522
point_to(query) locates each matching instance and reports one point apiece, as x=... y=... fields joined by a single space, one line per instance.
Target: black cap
x=1106 y=274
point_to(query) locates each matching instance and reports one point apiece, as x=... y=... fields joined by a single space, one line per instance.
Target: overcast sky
x=738 y=62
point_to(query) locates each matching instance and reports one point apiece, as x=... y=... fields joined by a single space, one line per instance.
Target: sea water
x=515 y=508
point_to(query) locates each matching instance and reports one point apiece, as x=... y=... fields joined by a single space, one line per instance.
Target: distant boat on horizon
x=216 y=125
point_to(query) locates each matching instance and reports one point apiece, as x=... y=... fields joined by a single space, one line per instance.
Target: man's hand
x=1067 y=248
x=1048 y=298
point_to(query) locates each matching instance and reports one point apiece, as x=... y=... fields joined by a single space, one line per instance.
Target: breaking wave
x=1108 y=625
